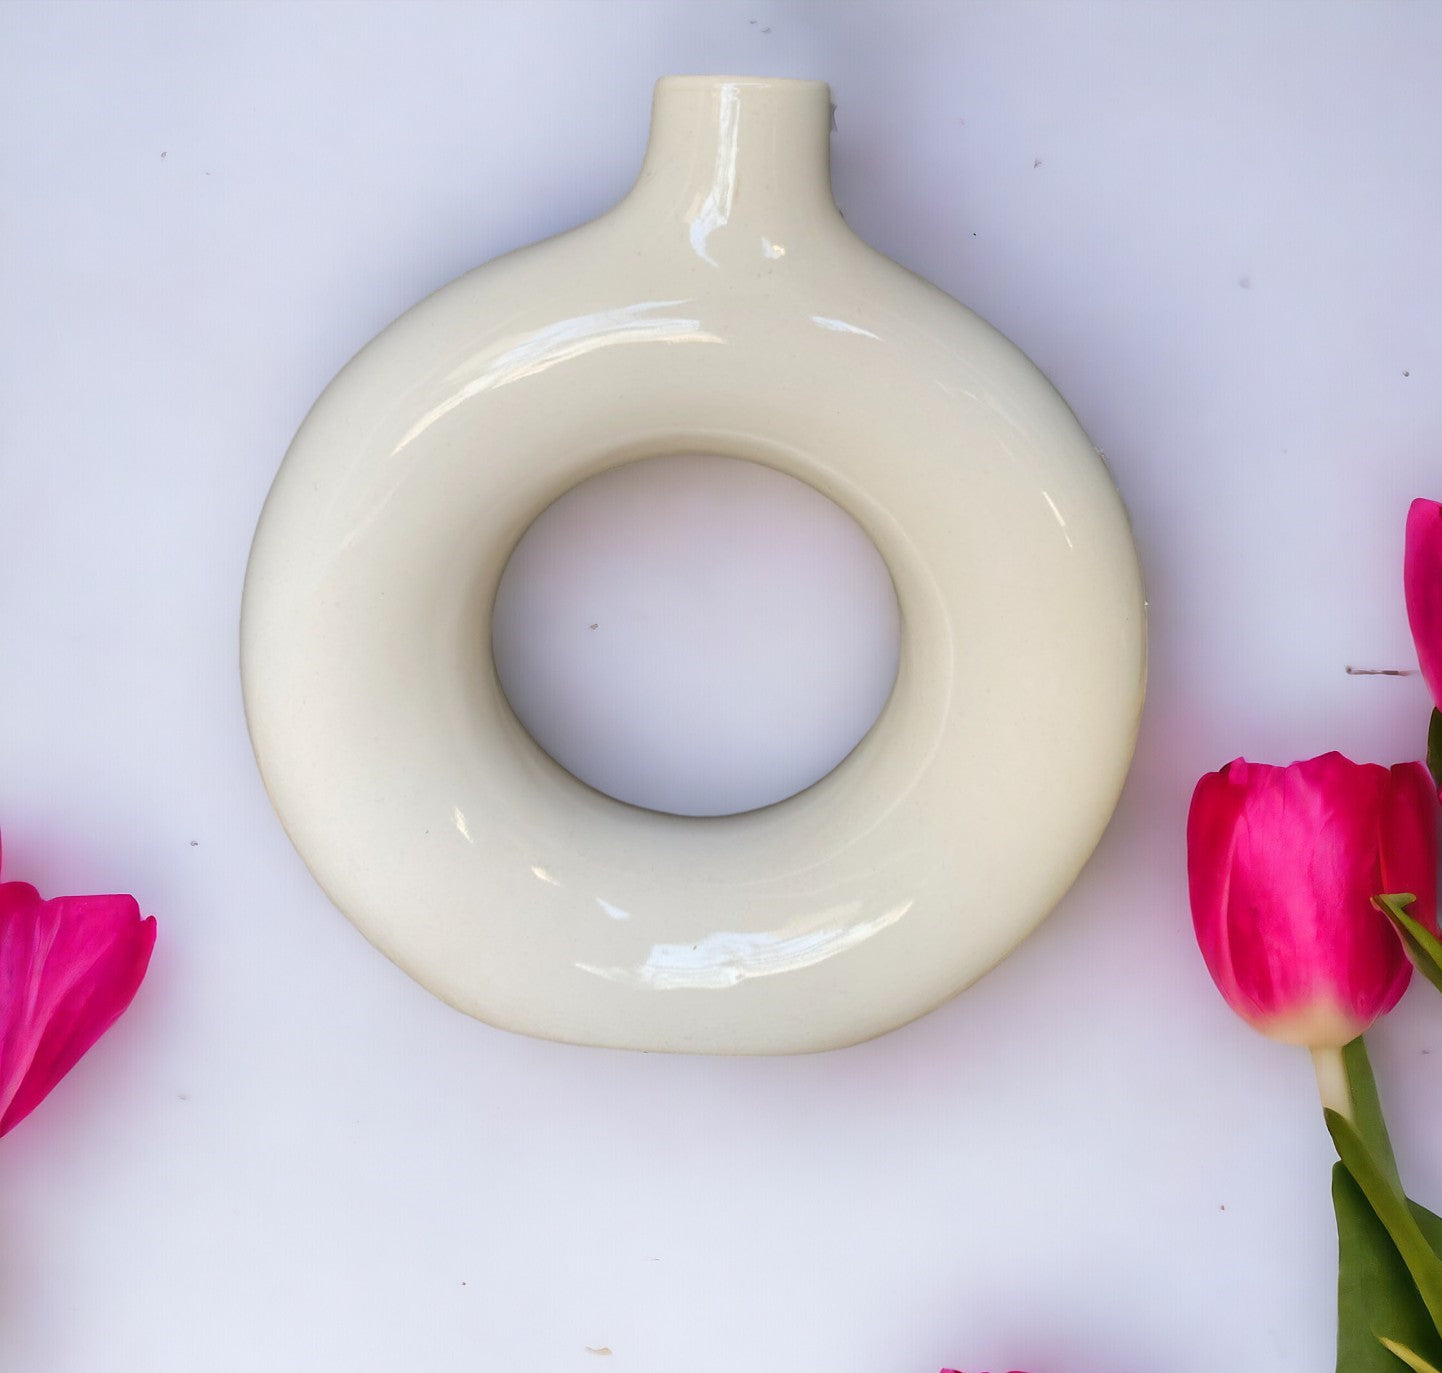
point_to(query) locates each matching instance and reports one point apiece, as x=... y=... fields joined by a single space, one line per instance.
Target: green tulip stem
x=1367 y=1109
x=1333 y=1085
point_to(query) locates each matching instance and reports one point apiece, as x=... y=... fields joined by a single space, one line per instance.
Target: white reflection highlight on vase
x=728 y=957
x=840 y=326
x=540 y=350
x=713 y=212
x=1061 y=521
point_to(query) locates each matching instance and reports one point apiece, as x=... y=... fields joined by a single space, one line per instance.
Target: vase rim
x=721 y=79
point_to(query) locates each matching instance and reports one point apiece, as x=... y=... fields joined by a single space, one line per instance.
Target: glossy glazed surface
x=724 y=308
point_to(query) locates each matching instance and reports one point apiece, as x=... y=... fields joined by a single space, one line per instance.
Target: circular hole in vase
x=699 y=635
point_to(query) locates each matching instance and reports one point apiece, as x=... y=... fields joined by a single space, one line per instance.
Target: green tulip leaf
x=1378 y=1306
x=1410 y=1357
x=1391 y=1208
x=1367 y=1109
x=1434 y=748
x=1428 y=1224
x=1423 y=947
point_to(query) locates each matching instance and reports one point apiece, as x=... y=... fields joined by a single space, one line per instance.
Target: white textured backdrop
x=1215 y=226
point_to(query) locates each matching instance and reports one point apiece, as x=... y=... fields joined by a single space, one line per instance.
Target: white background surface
x=727 y=588
x=1215 y=226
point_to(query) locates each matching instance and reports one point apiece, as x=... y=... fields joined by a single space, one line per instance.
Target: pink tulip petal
x=1211 y=837
x=1407 y=840
x=68 y=968
x=1422 y=582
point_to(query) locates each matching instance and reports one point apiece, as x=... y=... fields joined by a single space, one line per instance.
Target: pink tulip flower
x=1422 y=581
x=68 y=968
x=1283 y=864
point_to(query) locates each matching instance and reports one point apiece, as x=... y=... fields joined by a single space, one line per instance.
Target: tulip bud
x=1422 y=581
x=1283 y=864
x=68 y=968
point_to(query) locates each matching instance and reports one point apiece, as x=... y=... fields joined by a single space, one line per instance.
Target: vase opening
x=697 y=634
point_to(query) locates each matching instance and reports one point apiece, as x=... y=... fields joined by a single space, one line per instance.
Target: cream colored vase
x=722 y=307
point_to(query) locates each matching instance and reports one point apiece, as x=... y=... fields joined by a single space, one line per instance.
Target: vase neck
x=741 y=164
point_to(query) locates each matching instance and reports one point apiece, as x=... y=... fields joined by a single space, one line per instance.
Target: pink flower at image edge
x=1422 y=583
x=1282 y=865
x=68 y=968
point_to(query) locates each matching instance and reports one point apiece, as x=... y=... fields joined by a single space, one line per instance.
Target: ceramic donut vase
x=724 y=308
